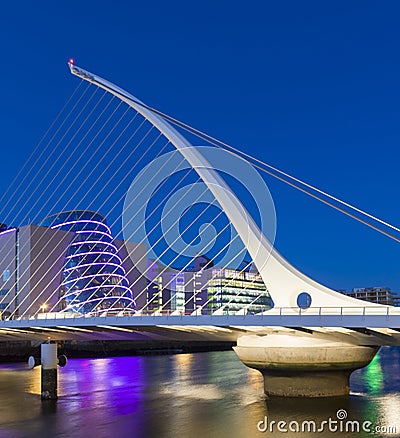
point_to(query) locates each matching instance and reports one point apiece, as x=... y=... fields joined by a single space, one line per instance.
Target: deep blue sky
x=311 y=87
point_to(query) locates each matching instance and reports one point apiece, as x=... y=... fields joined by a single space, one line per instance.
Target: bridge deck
x=364 y=325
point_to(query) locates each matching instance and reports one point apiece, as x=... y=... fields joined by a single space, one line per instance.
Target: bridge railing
x=276 y=311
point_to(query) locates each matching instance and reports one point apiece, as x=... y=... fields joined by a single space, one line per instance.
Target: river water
x=187 y=395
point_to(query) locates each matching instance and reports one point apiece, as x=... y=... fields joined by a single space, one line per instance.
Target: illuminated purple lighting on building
x=95 y=252
x=88 y=265
x=110 y=286
x=81 y=221
x=92 y=231
x=95 y=275
x=7 y=231
x=90 y=283
x=95 y=242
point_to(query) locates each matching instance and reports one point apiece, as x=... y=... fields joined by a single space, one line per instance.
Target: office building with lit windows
x=233 y=290
x=206 y=288
x=166 y=289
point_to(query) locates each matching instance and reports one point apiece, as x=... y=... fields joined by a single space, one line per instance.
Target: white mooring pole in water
x=49 y=361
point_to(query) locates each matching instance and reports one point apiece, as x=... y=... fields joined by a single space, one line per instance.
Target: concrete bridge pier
x=303 y=366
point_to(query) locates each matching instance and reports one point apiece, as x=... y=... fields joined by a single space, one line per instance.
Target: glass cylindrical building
x=93 y=277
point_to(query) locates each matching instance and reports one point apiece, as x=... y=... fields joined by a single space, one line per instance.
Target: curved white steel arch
x=284 y=282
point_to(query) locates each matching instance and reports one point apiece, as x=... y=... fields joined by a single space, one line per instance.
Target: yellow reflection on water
x=184 y=362
x=33 y=379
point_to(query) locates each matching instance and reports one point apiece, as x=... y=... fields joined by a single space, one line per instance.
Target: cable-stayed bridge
x=98 y=298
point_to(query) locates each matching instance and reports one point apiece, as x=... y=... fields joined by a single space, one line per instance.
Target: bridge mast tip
x=71 y=63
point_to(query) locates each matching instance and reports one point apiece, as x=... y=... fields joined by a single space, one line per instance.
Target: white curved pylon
x=284 y=282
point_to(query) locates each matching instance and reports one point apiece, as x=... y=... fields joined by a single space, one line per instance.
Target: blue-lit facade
x=93 y=277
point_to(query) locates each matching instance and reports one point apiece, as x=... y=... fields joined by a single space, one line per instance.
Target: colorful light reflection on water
x=203 y=394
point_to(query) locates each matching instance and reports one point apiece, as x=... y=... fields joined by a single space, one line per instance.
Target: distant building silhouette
x=379 y=295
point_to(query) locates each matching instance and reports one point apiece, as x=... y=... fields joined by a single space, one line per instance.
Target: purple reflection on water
x=113 y=383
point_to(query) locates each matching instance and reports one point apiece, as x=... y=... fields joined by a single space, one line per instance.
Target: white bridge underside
x=364 y=328
x=284 y=282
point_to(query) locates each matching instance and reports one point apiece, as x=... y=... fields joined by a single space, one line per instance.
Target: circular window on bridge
x=304 y=300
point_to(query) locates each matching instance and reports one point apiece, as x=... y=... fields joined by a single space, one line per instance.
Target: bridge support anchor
x=303 y=366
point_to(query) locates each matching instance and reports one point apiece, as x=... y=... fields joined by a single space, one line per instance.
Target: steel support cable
x=110 y=195
x=50 y=156
x=142 y=223
x=331 y=204
x=224 y=145
x=111 y=225
x=321 y=199
x=65 y=176
x=45 y=247
x=327 y=203
x=76 y=162
x=54 y=163
x=86 y=148
x=182 y=270
x=36 y=149
x=99 y=163
x=189 y=244
x=159 y=222
x=33 y=166
x=125 y=161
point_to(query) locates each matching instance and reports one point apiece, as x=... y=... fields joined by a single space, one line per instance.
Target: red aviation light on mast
x=71 y=62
